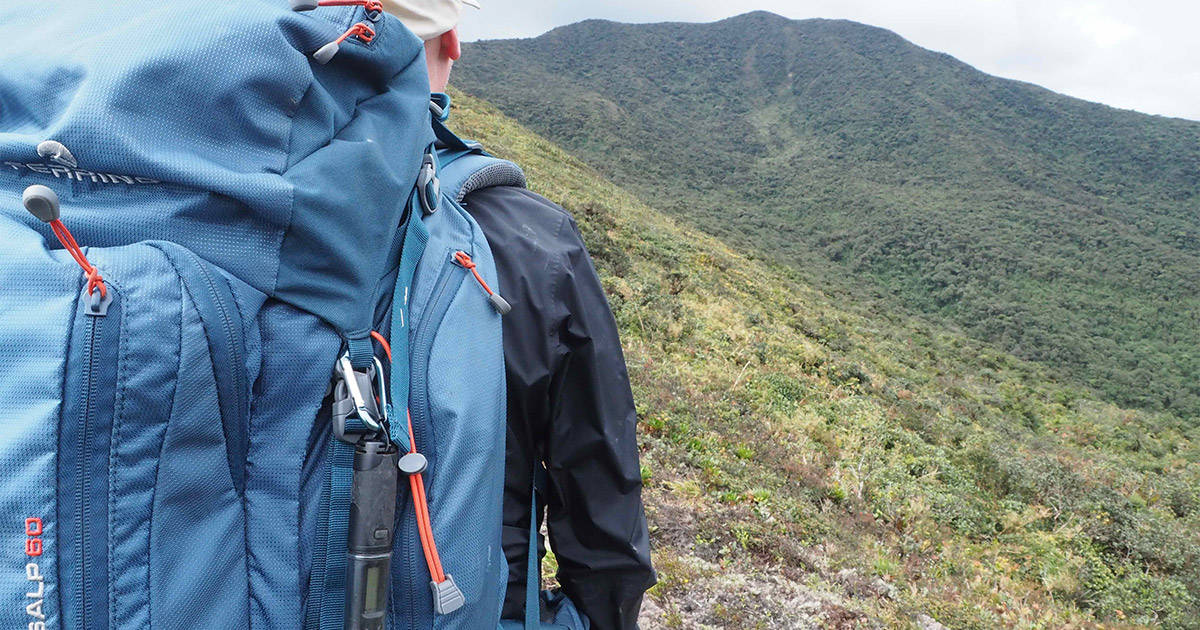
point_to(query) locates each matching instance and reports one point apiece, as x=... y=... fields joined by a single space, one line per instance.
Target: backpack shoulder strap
x=463 y=166
x=468 y=173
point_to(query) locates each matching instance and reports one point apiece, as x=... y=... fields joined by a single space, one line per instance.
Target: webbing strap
x=448 y=140
x=361 y=351
x=329 y=564
x=332 y=563
x=416 y=238
x=446 y=157
x=533 y=569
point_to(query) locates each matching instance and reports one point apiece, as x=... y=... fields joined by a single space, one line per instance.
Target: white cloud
x=1142 y=55
x=1106 y=30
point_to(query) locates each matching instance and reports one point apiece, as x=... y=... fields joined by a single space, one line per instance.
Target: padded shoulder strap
x=463 y=173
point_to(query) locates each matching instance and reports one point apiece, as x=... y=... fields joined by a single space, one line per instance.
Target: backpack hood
x=209 y=124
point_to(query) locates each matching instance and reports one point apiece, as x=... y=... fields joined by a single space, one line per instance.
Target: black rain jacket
x=570 y=409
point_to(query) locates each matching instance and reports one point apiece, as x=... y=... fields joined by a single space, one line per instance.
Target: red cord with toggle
x=416 y=484
x=95 y=280
x=370 y=5
x=464 y=261
x=360 y=30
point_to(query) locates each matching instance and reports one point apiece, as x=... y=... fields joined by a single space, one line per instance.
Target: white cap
x=428 y=18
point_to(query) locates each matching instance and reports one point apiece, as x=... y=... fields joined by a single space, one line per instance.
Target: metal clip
x=360 y=404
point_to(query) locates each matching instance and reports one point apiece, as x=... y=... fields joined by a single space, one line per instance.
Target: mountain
x=814 y=458
x=1061 y=231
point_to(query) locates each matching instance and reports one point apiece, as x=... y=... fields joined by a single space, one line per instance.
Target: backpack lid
x=209 y=124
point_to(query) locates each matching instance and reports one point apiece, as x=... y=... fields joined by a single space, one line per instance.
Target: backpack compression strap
x=533 y=568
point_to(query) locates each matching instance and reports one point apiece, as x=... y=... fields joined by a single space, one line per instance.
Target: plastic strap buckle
x=429 y=189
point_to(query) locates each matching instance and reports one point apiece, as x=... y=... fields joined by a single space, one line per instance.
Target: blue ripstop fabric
x=136 y=455
x=454 y=388
x=35 y=334
x=245 y=207
x=207 y=124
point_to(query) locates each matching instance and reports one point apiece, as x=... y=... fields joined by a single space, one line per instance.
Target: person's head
x=436 y=22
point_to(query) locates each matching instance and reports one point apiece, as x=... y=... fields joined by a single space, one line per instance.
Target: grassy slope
x=797 y=447
x=1063 y=231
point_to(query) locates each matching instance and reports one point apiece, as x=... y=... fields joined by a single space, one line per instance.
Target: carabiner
x=359 y=396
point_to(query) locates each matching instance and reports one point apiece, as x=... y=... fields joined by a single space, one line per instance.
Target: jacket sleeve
x=596 y=520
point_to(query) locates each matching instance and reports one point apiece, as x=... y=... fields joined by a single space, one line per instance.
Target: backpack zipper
x=95 y=406
x=421 y=422
x=91 y=474
x=96 y=403
x=423 y=342
x=91 y=433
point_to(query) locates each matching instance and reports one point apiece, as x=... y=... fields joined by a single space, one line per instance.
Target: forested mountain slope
x=1058 y=230
x=816 y=461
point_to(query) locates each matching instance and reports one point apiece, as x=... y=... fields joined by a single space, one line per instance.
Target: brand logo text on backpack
x=36 y=592
x=60 y=171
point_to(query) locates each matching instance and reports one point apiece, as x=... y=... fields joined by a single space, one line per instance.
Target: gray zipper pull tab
x=500 y=304
x=97 y=302
x=42 y=202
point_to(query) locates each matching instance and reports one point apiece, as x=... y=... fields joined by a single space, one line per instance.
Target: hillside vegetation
x=1058 y=230
x=815 y=462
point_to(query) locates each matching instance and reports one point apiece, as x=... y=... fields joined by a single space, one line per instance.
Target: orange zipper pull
x=462 y=259
x=361 y=30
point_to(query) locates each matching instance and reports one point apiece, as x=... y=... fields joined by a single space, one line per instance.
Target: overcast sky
x=1142 y=55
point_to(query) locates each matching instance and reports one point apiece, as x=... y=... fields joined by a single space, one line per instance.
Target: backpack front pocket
x=152 y=443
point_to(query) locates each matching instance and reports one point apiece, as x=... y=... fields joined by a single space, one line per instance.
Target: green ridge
x=1058 y=230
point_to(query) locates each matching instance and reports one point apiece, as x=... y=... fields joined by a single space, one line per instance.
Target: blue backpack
x=186 y=398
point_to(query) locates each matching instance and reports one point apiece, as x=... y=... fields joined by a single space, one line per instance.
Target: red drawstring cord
x=464 y=261
x=95 y=280
x=416 y=484
x=424 y=522
x=360 y=30
x=500 y=304
x=383 y=342
x=370 y=5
